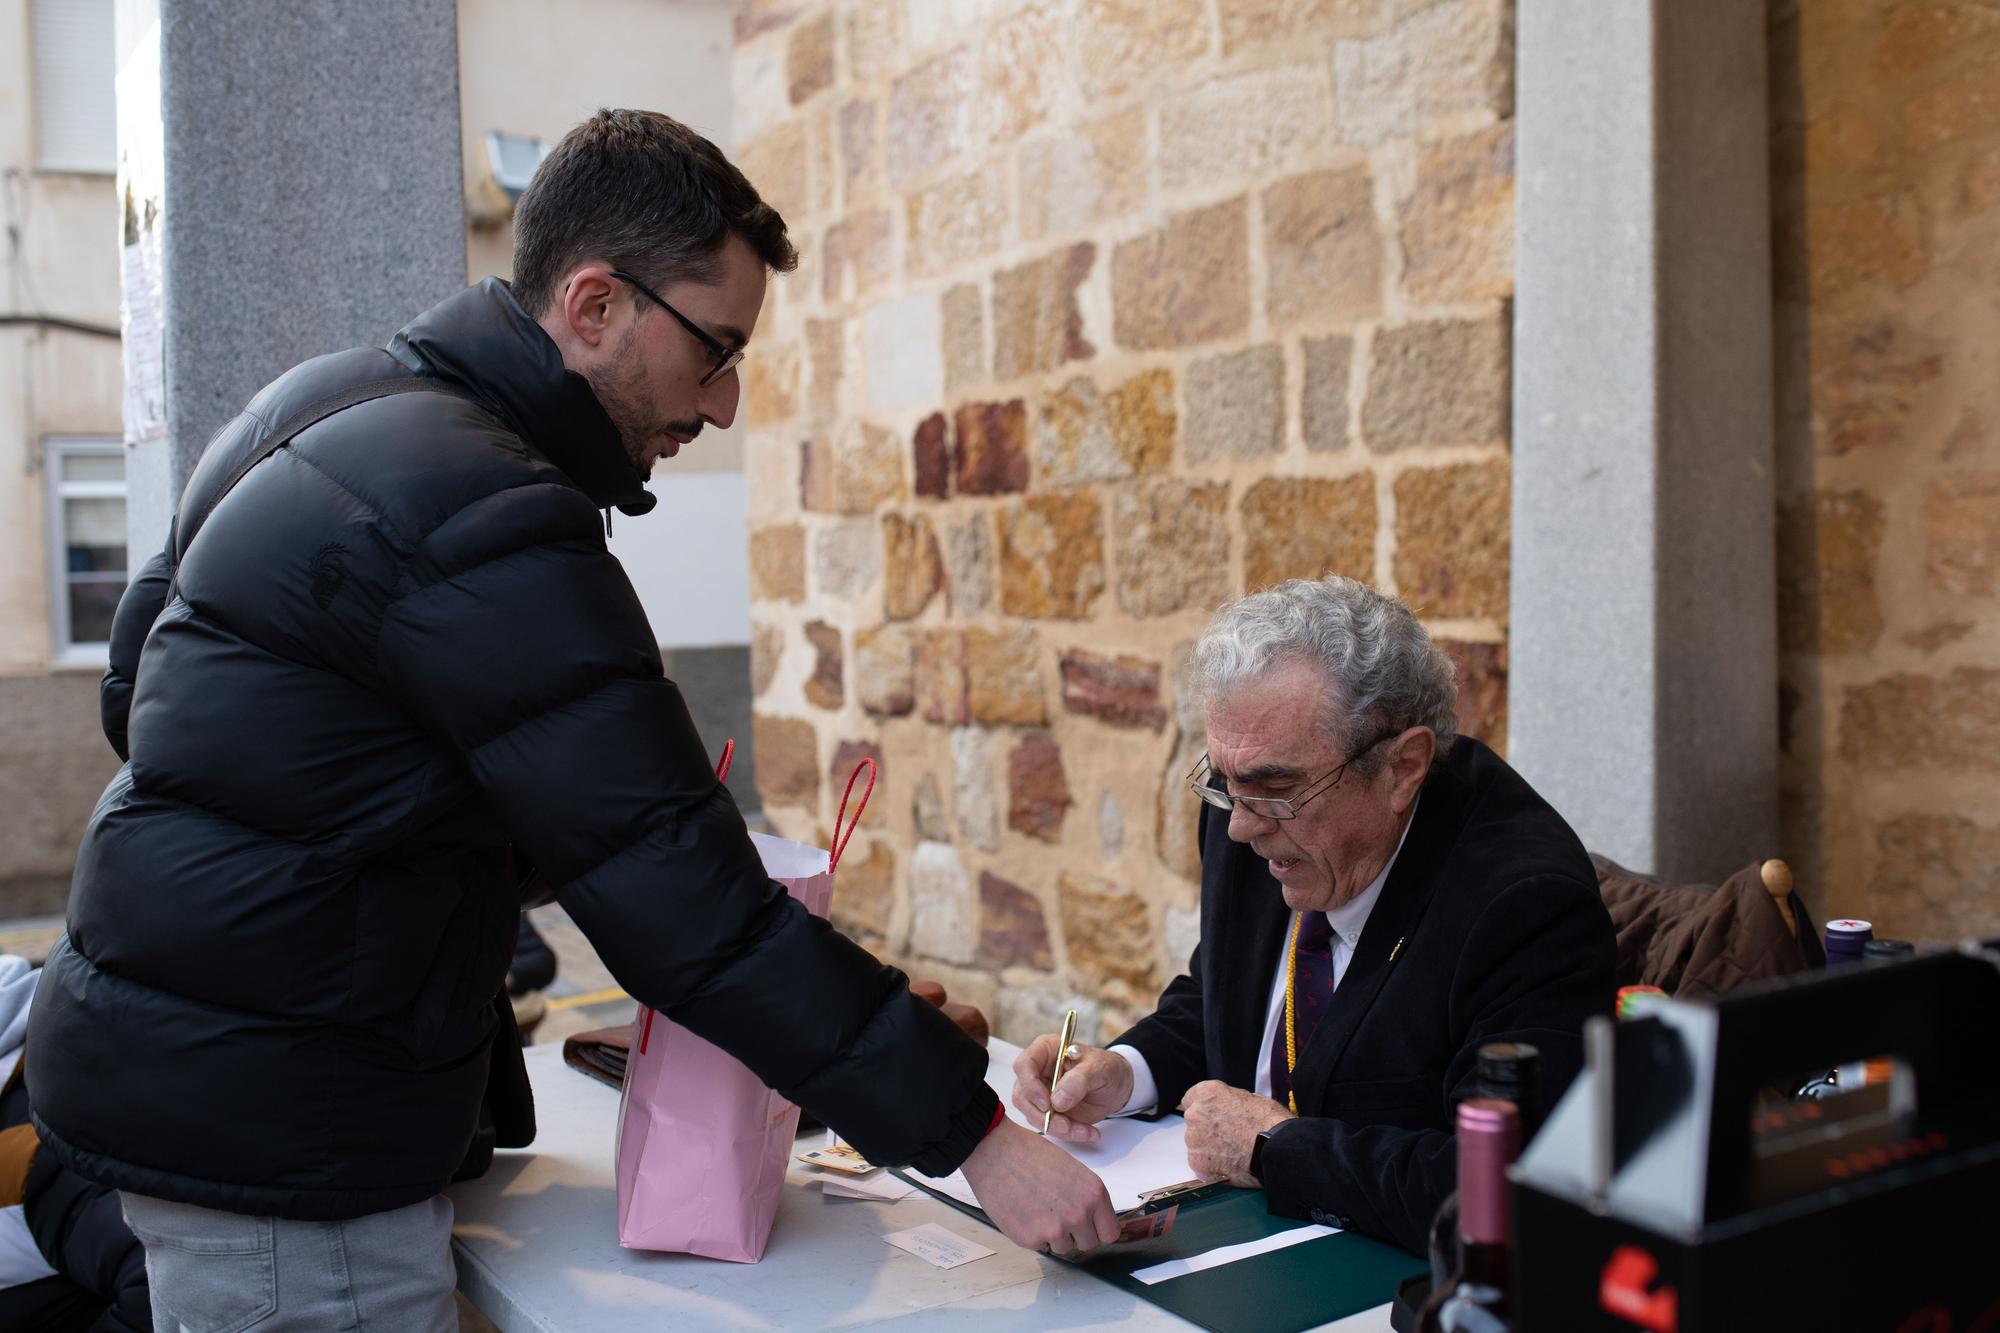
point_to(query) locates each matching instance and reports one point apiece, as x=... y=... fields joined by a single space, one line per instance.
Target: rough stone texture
x=1177 y=811
x=826 y=349
x=775 y=163
x=1322 y=248
x=1235 y=405
x=1301 y=528
x=973 y=784
x=847 y=558
x=1110 y=826
x=1868 y=383
x=1172 y=546
x=1482 y=689
x=1037 y=324
x=1247 y=23
x=956 y=221
x=767 y=650
x=864 y=898
x=912 y=568
x=929 y=117
x=991 y=454
x=848 y=757
x=824 y=687
x=1934 y=723
x=771 y=385
x=1251 y=123
x=941 y=677
x=1125 y=44
x=778 y=563
x=857 y=474
x=1962 y=533
x=964 y=315
x=900 y=350
x=969 y=565
x=1004 y=678
x=1186 y=283
x=1037 y=789
x=930 y=452
x=1439 y=382
x=1073 y=180
x=1443 y=60
x=1107 y=930
x=1124 y=691
x=857 y=256
x=1323 y=402
x=1073 y=438
x=941 y=905
x=1458 y=226
x=885 y=664
x=1026 y=1012
x=809 y=58
x=1826 y=587
x=927 y=811
x=1051 y=556
x=1012 y=928
x=787 y=750
x=1933 y=878
x=860 y=146
x=1142 y=420
x=1452 y=539
x=1180 y=928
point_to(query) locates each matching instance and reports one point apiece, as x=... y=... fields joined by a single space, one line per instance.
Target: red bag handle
x=840 y=838
x=721 y=773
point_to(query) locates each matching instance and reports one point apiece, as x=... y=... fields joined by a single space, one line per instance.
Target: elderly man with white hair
x=1380 y=897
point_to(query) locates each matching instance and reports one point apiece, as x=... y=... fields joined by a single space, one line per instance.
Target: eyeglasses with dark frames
x=726 y=357
x=1200 y=777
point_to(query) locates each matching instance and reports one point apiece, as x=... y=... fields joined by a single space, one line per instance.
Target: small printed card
x=936 y=1246
x=838 y=1156
x=1147 y=1226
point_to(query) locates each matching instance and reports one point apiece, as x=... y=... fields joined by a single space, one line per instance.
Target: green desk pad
x=1301 y=1286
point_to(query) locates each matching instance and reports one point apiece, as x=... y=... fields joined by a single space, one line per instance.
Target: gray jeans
x=214 y=1272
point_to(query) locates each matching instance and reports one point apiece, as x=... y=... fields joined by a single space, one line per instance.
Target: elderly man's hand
x=1095 y=1084
x=1222 y=1125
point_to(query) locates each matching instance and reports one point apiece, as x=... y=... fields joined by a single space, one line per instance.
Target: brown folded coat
x=1699 y=940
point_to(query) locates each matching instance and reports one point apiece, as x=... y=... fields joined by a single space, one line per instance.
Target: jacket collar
x=482 y=339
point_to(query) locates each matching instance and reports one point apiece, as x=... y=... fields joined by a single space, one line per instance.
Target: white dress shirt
x=1347 y=921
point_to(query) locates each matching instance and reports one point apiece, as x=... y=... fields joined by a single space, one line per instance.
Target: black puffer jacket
x=398 y=646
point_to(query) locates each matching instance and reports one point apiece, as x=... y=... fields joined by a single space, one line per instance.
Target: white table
x=537 y=1250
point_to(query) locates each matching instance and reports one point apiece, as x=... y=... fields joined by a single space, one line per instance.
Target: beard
x=620 y=386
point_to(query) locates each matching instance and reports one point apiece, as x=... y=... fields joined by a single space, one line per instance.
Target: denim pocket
x=212 y=1272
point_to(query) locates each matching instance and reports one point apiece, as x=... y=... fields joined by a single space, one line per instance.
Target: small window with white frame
x=87 y=565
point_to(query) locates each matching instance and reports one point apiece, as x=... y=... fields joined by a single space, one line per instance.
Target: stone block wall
x=1886 y=176
x=1108 y=312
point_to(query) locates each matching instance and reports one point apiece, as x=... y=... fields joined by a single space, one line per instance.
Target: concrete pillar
x=1643 y=653
x=290 y=178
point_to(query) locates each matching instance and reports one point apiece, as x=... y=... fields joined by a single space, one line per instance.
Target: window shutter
x=76 y=123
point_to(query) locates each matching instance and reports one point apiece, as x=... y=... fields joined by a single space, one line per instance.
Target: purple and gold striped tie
x=1312 y=991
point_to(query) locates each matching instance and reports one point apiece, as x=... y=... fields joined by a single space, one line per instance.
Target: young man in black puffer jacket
x=373 y=666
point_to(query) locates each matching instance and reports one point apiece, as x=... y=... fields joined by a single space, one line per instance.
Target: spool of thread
x=1887 y=951
x=1845 y=939
x=1636 y=1001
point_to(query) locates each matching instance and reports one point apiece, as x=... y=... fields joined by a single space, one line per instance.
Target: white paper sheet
x=1229 y=1254
x=1132 y=1155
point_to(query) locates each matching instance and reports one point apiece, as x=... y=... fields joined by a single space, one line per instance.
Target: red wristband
x=999 y=1114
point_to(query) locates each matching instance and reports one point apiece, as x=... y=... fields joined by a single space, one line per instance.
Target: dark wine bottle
x=1477 y=1297
x=1512 y=1072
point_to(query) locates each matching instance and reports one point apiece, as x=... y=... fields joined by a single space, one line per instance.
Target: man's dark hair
x=644 y=193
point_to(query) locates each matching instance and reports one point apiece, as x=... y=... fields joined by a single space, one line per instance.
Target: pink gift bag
x=702 y=1143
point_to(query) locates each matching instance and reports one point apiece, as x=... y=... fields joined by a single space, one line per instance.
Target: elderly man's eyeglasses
x=1203 y=782
x=726 y=357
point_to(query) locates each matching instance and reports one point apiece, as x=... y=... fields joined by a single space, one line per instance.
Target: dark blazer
x=1489 y=928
